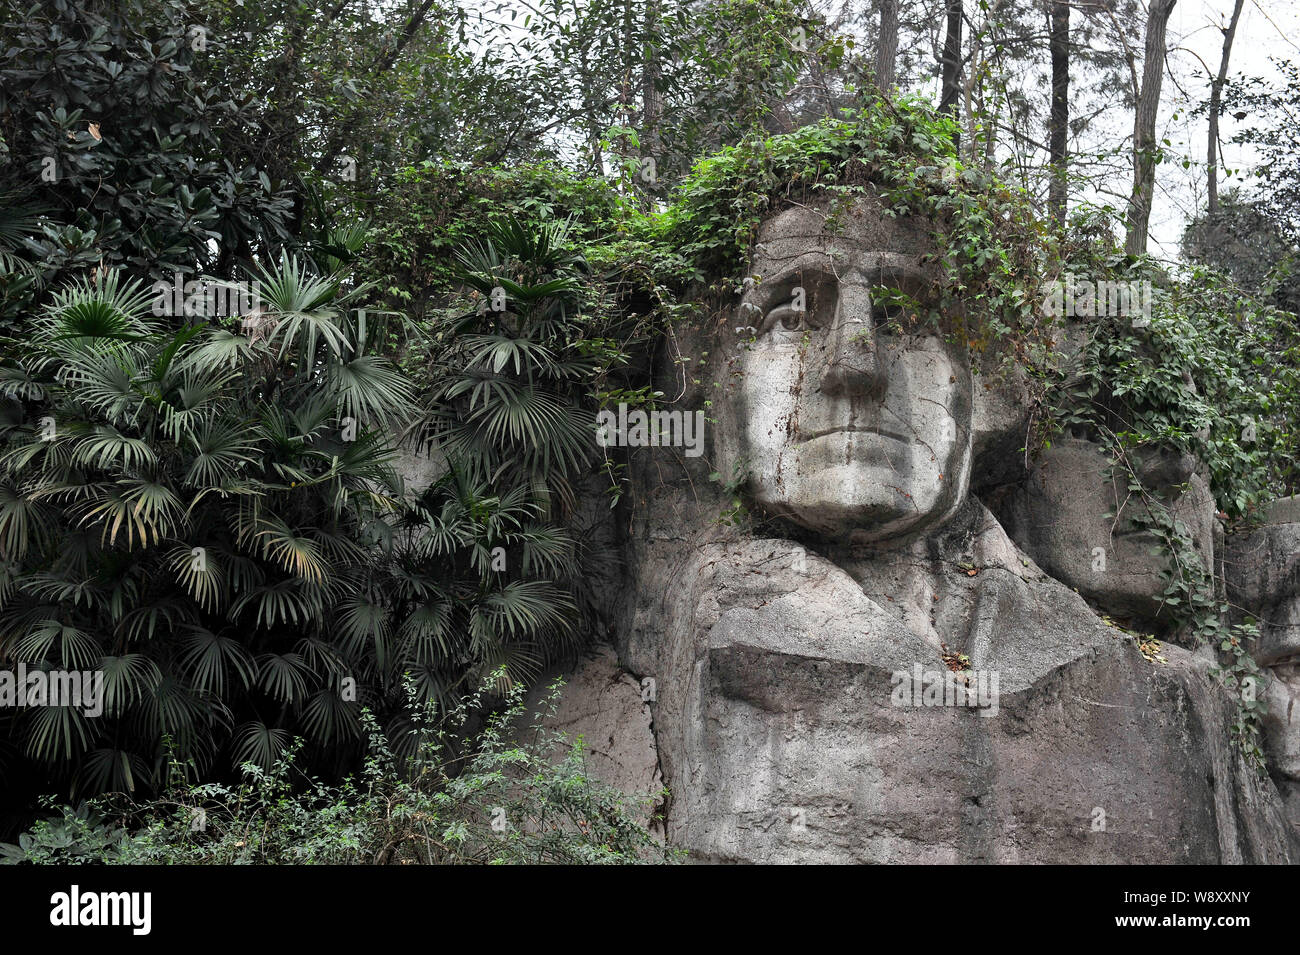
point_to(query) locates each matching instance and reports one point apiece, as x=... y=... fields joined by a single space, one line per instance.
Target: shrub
x=504 y=801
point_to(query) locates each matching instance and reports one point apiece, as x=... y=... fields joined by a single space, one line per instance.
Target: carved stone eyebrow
x=803 y=261
x=893 y=267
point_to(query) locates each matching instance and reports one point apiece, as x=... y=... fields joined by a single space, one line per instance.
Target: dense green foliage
x=212 y=519
x=1212 y=372
x=208 y=509
x=436 y=210
x=516 y=793
x=119 y=151
x=901 y=151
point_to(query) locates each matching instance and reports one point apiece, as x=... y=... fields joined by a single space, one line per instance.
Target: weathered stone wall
x=782 y=647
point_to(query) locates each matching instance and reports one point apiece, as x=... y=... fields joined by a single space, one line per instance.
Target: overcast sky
x=1268 y=28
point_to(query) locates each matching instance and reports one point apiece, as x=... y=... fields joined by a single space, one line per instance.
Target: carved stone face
x=845 y=425
x=1262 y=569
x=1078 y=523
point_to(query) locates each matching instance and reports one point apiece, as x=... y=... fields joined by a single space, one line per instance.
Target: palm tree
x=209 y=515
x=184 y=510
x=20 y=278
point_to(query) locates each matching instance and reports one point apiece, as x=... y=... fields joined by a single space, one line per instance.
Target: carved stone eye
x=886 y=315
x=784 y=316
x=795 y=303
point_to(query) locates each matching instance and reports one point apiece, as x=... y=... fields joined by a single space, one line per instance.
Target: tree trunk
x=951 y=61
x=651 y=102
x=887 y=48
x=651 y=106
x=1216 y=95
x=1058 y=123
x=951 y=90
x=1144 y=128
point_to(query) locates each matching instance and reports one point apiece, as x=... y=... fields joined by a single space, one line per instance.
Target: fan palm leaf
x=282 y=602
x=304 y=311
x=200 y=573
x=283 y=676
x=58 y=644
x=55 y=733
x=209 y=660
x=101 y=307
x=222 y=448
x=260 y=744
x=127 y=680
x=329 y=719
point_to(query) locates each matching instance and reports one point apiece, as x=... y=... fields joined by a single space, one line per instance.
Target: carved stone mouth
x=803 y=438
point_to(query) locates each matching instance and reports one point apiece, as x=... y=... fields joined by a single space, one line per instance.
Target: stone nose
x=851 y=363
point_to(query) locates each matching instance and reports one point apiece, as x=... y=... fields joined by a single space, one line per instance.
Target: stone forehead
x=862 y=227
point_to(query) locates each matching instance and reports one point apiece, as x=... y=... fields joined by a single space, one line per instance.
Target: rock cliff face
x=1076 y=517
x=781 y=736
x=609 y=710
x=867 y=667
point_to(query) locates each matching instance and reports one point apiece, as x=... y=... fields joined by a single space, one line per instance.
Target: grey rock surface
x=863 y=666
x=419 y=468
x=1262 y=570
x=1078 y=523
x=781 y=742
x=601 y=703
x=1282 y=722
x=1000 y=426
x=1262 y=573
x=1285 y=510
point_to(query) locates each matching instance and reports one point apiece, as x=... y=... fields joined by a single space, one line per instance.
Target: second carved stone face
x=847 y=422
x=1078 y=518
